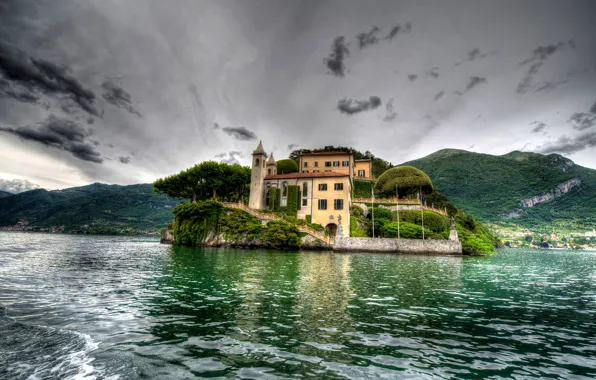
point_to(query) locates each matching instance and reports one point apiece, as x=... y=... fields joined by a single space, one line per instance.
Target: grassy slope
x=99 y=206
x=487 y=186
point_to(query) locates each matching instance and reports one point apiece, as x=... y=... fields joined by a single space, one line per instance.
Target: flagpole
x=422 y=211
x=372 y=189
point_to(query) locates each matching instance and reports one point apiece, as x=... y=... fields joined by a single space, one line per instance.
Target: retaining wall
x=415 y=246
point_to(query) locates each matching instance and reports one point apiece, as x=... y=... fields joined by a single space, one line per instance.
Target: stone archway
x=331 y=229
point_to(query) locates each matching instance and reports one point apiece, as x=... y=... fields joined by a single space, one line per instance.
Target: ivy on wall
x=274 y=196
x=194 y=221
x=293 y=200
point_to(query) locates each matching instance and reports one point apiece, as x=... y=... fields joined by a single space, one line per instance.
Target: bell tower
x=257 y=176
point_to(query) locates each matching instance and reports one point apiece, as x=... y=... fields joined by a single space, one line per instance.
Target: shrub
x=432 y=220
x=293 y=200
x=237 y=223
x=362 y=189
x=406 y=230
x=282 y=235
x=380 y=213
x=308 y=219
x=286 y=166
x=407 y=179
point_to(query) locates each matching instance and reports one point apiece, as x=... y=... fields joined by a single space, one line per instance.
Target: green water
x=105 y=307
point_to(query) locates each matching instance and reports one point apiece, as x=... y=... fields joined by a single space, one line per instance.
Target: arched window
x=257 y=162
x=269 y=171
x=284 y=194
x=304 y=194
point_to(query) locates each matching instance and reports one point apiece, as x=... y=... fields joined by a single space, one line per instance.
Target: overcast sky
x=129 y=91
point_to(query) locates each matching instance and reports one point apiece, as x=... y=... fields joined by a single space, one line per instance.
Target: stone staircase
x=267 y=216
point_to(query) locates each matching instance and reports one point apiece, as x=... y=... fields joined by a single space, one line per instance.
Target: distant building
x=325 y=180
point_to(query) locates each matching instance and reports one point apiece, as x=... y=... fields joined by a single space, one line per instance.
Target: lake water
x=120 y=308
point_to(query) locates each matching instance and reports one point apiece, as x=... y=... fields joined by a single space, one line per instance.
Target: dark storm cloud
x=582 y=120
x=475 y=54
x=351 y=106
x=240 y=133
x=412 y=77
x=41 y=76
x=124 y=159
x=567 y=145
x=439 y=95
x=391 y=114
x=61 y=134
x=215 y=126
x=536 y=60
x=292 y=146
x=593 y=108
x=21 y=95
x=335 y=61
x=368 y=38
x=393 y=32
x=16 y=186
x=475 y=81
x=539 y=126
x=117 y=96
x=230 y=157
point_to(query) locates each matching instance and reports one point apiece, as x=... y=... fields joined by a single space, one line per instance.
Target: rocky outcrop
x=512 y=214
x=166 y=237
x=559 y=190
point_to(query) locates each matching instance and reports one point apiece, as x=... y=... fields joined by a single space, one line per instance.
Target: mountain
x=4 y=194
x=96 y=208
x=527 y=189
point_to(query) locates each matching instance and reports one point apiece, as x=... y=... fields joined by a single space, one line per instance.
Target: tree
x=206 y=180
x=406 y=179
x=286 y=166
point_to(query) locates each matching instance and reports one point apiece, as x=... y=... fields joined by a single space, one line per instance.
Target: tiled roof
x=326 y=153
x=306 y=175
x=259 y=149
x=364 y=159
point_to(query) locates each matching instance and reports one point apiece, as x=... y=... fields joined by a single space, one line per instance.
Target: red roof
x=326 y=153
x=364 y=159
x=306 y=175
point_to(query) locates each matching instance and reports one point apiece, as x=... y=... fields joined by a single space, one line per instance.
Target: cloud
x=21 y=95
x=593 y=108
x=412 y=77
x=582 y=120
x=16 y=186
x=41 y=76
x=536 y=60
x=475 y=81
x=351 y=106
x=240 y=133
x=391 y=114
x=368 y=38
x=292 y=146
x=567 y=145
x=539 y=126
x=335 y=60
x=117 y=96
x=230 y=157
x=60 y=134
x=124 y=159
x=439 y=95
x=216 y=126
x=475 y=54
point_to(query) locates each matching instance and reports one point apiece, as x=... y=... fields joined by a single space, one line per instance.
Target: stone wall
x=414 y=246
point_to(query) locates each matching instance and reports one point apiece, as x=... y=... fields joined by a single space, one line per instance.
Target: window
x=322 y=204
x=269 y=171
x=338 y=204
x=284 y=194
x=306 y=164
x=345 y=163
x=338 y=186
x=305 y=171
x=327 y=170
x=361 y=173
x=257 y=162
x=322 y=187
x=315 y=171
x=304 y=194
x=316 y=164
x=328 y=164
x=335 y=163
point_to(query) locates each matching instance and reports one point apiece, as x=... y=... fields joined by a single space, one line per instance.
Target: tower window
x=257 y=162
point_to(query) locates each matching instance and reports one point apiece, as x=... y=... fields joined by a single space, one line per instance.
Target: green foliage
x=440 y=201
x=282 y=235
x=407 y=180
x=274 y=198
x=286 y=166
x=406 y=230
x=195 y=221
x=236 y=223
x=379 y=213
x=474 y=236
x=378 y=164
x=489 y=186
x=293 y=199
x=362 y=189
x=206 y=180
x=95 y=208
x=308 y=218
x=433 y=221
x=358 y=223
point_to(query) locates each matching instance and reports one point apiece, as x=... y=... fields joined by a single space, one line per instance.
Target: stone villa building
x=325 y=179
